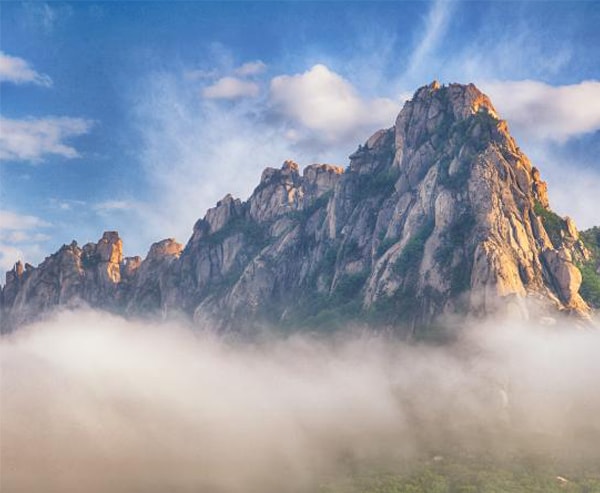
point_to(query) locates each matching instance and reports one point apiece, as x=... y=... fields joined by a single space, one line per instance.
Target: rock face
x=72 y=276
x=441 y=214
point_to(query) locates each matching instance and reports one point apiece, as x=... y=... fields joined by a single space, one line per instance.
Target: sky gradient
x=139 y=116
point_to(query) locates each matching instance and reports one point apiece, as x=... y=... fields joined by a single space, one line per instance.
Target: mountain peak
x=441 y=214
x=459 y=100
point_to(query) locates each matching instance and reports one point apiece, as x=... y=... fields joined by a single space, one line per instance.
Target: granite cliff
x=439 y=215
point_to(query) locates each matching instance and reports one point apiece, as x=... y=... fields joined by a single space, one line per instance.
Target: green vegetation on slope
x=590 y=285
x=591 y=238
x=402 y=305
x=412 y=253
x=305 y=214
x=553 y=223
x=376 y=184
x=470 y=477
x=456 y=239
x=330 y=311
x=256 y=234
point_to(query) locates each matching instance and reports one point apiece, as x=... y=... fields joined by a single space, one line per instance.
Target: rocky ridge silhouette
x=440 y=215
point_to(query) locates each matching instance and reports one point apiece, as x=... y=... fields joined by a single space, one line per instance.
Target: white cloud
x=195 y=150
x=572 y=184
x=18 y=71
x=435 y=27
x=9 y=254
x=328 y=106
x=115 y=205
x=12 y=221
x=28 y=252
x=24 y=237
x=31 y=139
x=65 y=204
x=20 y=240
x=251 y=68
x=512 y=54
x=494 y=51
x=231 y=88
x=541 y=111
x=574 y=192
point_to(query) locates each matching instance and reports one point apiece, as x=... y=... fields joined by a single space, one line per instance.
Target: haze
x=95 y=403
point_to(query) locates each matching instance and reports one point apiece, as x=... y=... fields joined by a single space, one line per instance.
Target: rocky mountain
x=439 y=215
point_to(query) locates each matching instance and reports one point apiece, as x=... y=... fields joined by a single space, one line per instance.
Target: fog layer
x=94 y=403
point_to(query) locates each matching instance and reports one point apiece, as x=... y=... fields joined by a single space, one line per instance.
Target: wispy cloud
x=199 y=74
x=32 y=139
x=542 y=111
x=43 y=16
x=251 y=68
x=231 y=88
x=21 y=237
x=227 y=82
x=116 y=205
x=490 y=50
x=9 y=255
x=18 y=71
x=503 y=55
x=64 y=204
x=12 y=221
x=196 y=150
x=23 y=251
x=436 y=24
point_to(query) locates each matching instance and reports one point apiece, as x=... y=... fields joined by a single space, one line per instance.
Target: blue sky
x=139 y=116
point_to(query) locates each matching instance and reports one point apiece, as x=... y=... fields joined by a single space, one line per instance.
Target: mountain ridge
x=438 y=215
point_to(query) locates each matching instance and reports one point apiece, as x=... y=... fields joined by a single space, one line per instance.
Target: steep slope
x=441 y=214
x=590 y=267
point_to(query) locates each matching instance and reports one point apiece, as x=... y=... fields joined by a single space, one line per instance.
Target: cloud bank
x=544 y=112
x=93 y=402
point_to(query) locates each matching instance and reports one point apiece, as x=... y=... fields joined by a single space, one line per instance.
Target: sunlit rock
x=440 y=215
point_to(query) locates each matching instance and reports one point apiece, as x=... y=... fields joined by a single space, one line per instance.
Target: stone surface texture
x=436 y=216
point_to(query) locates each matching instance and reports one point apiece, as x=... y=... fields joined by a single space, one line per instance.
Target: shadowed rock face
x=441 y=214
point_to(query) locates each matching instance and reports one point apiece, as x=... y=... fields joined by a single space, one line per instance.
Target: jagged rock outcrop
x=149 y=286
x=70 y=277
x=14 y=282
x=441 y=214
